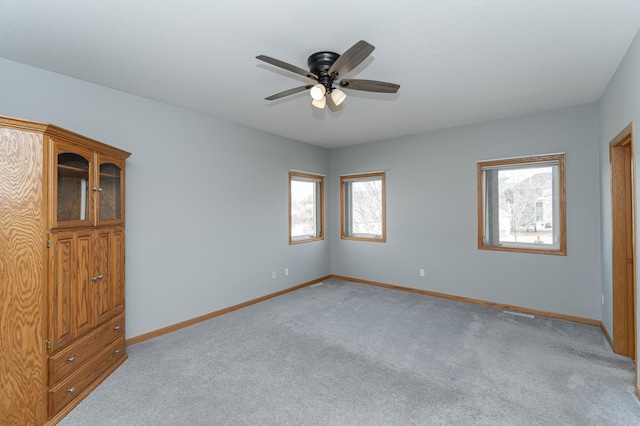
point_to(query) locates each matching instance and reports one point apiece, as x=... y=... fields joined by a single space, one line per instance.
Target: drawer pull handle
x=97 y=277
x=117 y=351
x=71 y=390
x=71 y=359
x=116 y=328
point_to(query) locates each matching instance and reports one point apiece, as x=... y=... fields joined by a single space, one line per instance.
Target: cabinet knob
x=97 y=277
x=71 y=390
x=117 y=327
x=71 y=359
x=95 y=188
x=117 y=351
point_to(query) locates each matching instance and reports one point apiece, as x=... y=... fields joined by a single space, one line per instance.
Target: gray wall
x=619 y=106
x=432 y=214
x=207 y=213
x=207 y=204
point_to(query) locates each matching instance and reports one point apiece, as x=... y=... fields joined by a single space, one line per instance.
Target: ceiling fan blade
x=351 y=59
x=332 y=105
x=370 y=86
x=286 y=66
x=288 y=92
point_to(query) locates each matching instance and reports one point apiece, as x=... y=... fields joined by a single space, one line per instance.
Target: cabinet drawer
x=78 y=381
x=72 y=357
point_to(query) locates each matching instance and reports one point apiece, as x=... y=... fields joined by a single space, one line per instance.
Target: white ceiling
x=457 y=62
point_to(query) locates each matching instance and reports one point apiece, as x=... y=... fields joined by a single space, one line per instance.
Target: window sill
x=557 y=252
x=305 y=240
x=370 y=239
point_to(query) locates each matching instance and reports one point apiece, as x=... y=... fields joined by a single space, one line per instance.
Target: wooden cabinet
x=62 y=251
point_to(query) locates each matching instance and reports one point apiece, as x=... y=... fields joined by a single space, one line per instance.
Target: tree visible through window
x=521 y=204
x=362 y=202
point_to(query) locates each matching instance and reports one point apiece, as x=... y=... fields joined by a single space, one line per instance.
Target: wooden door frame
x=623 y=250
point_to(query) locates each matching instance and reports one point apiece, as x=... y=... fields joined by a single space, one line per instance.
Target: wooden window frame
x=561 y=199
x=343 y=233
x=319 y=206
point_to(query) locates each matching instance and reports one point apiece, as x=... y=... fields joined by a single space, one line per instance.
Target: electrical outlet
x=286 y=272
x=602 y=299
x=273 y=275
x=422 y=272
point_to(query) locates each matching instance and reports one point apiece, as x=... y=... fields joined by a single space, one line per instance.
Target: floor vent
x=519 y=314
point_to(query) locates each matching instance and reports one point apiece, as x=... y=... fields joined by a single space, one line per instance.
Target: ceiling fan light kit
x=338 y=96
x=327 y=69
x=319 y=103
x=318 y=91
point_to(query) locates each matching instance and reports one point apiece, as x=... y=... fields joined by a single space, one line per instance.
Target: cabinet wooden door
x=117 y=271
x=103 y=276
x=110 y=181
x=72 y=192
x=110 y=269
x=71 y=293
x=83 y=303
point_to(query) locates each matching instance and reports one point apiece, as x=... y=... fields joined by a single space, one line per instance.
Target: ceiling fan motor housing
x=319 y=64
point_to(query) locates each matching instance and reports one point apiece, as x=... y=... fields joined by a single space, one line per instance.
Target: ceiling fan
x=327 y=69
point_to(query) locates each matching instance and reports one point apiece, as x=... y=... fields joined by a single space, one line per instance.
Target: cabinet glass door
x=73 y=187
x=110 y=195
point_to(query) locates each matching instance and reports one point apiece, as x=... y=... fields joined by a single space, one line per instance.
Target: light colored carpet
x=342 y=353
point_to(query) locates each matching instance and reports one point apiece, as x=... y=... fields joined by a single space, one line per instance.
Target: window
x=362 y=203
x=521 y=205
x=306 y=207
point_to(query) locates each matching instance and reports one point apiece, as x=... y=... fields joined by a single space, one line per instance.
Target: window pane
x=303 y=202
x=362 y=203
x=110 y=195
x=73 y=187
x=523 y=194
x=306 y=207
x=366 y=207
x=521 y=205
